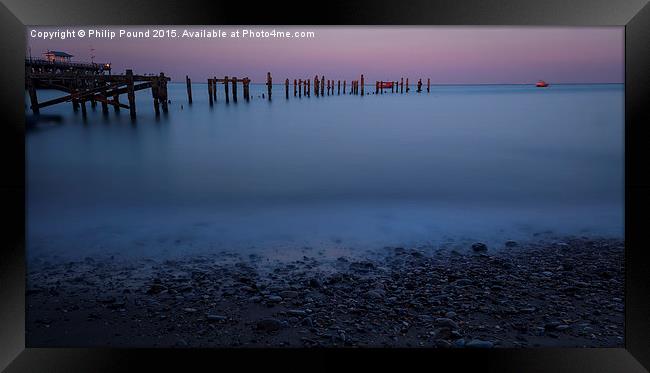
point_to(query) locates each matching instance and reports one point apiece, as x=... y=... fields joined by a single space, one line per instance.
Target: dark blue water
x=470 y=163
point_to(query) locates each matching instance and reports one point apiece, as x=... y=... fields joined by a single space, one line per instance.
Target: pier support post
x=130 y=92
x=295 y=87
x=247 y=93
x=32 y=93
x=104 y=103
x=419 y=85
x=344 y=86
x=316 y=90
x=362 y=83
x=269 y=84
x=155 y=94
x=322 y=85
x=83 y=108
x=286 y=88
x=225 y=85
x=234 y=89
x=407 y=85
x=401 y=86
x=428 y=85
x=75 y=92
x=214 y=89
x=188 y=81
x=162 y=90
x=299 y=88
x=307 y=88
x=116 y=100
x=93 y=102
x=338 y=90
x=210 y=90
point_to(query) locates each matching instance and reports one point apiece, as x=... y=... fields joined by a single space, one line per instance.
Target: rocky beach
x=547 y=292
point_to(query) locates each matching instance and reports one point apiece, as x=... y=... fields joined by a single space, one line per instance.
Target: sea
x=338 y=173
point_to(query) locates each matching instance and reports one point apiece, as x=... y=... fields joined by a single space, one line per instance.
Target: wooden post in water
x=225 y=86
x=328 y=87
x=316 y=85
x=377 y=87
x=155 y=95
x=362 y=84
x=83 y=100
x=338 y=90
x=214 y=89
x=75 y=92
x=419 y=85
x=234 y=89
x=116 y=99
x=247 y=89
x=210 y=90
x=344 y=86
x=428 y=85
x=401 y=86
x=269 y=84
x=295 y=87
x=286 y=88
x=163 y=92
x=32 y=92
x=322 y=85
x=189 y=89
x=83 y=107
x=93 y=102
x=130 y=92
x=299 y=88
x=407 y=85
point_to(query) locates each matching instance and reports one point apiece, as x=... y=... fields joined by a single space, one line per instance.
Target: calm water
x=341 y=172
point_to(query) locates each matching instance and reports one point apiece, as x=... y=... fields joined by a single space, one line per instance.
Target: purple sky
x=451 y=54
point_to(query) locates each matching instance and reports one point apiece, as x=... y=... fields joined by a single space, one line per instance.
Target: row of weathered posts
x=302 y=87
x=212 y=88
x=89 y=85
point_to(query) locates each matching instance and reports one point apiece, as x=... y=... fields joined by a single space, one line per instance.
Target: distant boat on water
x=541 y=84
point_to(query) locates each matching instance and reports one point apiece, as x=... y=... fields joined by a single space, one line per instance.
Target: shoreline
x=562 y=293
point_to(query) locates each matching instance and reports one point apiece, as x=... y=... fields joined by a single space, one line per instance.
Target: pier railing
x=60 y=65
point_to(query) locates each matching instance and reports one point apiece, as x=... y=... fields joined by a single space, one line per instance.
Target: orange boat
x=541 y=84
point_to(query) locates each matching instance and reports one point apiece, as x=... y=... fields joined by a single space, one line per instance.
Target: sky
x=446 y=54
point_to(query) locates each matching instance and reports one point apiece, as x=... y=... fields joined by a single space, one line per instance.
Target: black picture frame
x=633 y=14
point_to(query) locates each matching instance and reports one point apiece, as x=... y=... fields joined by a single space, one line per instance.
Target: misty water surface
x=461 y=164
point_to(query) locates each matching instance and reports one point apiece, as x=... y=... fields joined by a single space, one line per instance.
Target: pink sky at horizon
x=446 y=54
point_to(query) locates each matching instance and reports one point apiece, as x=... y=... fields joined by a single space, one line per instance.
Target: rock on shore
x=564 y=293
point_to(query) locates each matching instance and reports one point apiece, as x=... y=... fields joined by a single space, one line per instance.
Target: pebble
x=446 y=323
x=479 y=247
x=477 y=343
x=269 y=325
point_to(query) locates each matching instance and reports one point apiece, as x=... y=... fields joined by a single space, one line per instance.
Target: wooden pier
x=91 y=83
